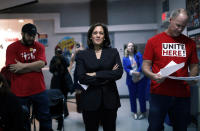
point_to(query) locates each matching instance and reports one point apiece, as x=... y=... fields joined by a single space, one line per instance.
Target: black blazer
x=102 y=89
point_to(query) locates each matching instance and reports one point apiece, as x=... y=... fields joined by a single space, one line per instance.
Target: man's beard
x=28 y=42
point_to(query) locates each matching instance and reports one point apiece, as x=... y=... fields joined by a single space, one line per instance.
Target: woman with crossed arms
x=98 y=67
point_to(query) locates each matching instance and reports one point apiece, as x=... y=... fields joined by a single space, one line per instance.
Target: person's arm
x=17 y=66
x=71 y=63
x=193 y=64
x=140 y=60
x=115 y=73
x=83 y=78
x=126 y=67
x=194 y=69
x=73 y=58
x=146 y=68
x=26 y=67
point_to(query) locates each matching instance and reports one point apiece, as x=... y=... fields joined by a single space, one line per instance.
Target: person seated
x=12 y=117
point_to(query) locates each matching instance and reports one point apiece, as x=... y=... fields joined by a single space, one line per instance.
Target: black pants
x=106 y=116
x=78 y=100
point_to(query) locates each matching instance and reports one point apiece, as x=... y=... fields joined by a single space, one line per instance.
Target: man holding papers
x=169 y=95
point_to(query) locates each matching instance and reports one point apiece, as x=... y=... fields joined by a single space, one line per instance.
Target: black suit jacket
x=102 y=89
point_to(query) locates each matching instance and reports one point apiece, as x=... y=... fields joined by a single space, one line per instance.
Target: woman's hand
x=91 y=74
x=136 y=74
x=115 y=67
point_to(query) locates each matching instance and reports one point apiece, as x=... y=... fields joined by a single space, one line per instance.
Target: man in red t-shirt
x=168 y=95
x=25 y=59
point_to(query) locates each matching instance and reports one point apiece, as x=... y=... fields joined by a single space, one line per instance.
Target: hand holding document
x=170 y=68
x=173 y=67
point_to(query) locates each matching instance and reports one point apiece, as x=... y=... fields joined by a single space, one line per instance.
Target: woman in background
x=135 y=80
x=77 y=47
x=58 y=67
x=72 y=69
x=98 y=67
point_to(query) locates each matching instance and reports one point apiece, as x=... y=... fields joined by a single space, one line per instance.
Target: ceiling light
x=20 y=21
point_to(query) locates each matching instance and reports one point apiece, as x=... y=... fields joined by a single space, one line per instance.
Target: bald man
x=168 y=95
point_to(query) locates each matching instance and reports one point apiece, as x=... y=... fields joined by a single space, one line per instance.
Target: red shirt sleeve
x=194 y=58
x=10 y=54
x=148 y=52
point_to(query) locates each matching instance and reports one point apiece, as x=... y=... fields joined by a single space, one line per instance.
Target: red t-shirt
x=28 y=83
x=161 y=50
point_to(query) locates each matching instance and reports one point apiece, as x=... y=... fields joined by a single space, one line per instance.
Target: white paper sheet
x=170 y=68
x=84 y=86
x=185 y=78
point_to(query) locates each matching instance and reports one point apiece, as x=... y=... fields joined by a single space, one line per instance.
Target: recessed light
x=20 y=21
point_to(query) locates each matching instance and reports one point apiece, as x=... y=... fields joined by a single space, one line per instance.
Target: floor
x=125 y=121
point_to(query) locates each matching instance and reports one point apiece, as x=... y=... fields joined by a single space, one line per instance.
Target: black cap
x=30 y=29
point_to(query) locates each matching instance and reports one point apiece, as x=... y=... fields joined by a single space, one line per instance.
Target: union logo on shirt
x=173 y=49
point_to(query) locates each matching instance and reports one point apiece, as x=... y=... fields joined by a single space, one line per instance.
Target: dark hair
x=106 y=42
x=5 y=87
x=58 y=50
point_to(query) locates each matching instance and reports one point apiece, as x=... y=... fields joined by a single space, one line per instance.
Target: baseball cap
x=30 y=29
